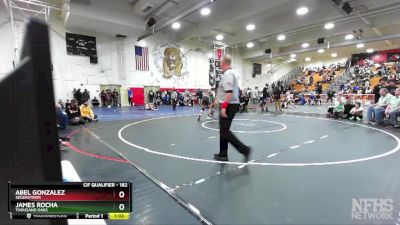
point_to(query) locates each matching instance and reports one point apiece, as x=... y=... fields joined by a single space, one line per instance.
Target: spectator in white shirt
x=377 y=111
x=357 y=112
x=393 y=109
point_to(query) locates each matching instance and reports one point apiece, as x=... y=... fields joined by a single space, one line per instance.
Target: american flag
x=142 y=58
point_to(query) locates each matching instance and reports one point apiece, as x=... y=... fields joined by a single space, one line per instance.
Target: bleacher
x=316 y=78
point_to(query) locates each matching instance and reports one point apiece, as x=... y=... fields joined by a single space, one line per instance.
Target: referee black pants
x=226 y=136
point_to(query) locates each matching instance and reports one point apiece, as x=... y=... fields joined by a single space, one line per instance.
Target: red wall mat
x=138 y=95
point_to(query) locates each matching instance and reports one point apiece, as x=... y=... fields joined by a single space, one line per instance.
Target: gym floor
x=305 y=168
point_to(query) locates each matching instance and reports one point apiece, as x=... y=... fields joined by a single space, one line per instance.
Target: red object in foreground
x=219 y=53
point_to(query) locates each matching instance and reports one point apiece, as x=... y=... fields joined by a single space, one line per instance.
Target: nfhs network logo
x=372 y=209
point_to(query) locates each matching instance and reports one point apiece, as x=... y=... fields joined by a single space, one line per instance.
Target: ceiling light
x=176 y=25
x=142 y=43
x=205 y=11
x=305 y=45
x=250 y=27
x=281 y=37
x=219 y=37
x=308 y=59
x=250 y=45
x=321 y=50
x=361 y=45
x=334 y=55
x=292 y=55
x=329 y=26
x=370 y=50
x=302 y=11
x=210 y=55
x=349 y=37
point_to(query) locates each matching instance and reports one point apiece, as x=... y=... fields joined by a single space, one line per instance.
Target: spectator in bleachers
x=319 y=88
x=311 y=80
x=391 y=86
x=376 y=112
x=393 y=109
x=356 y=113
x=368 y=90
x=356 y=88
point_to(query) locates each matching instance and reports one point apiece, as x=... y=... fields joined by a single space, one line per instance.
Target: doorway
x=111 y=87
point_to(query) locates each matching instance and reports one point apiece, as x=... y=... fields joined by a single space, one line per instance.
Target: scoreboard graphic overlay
x=75 y=200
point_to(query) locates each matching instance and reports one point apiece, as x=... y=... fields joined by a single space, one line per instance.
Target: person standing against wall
x=115 y=97
x=103 y=98
x=174 y=98
x=228 y=97
x=130 y=97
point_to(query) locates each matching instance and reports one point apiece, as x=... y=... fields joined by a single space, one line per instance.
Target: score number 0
x=121 y=206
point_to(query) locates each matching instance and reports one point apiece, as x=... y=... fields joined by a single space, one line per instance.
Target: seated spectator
x=158 y=98
x=356 y=88
x=302 y=99
x=337 y=109
x=319 y=88
x=392 y=76
x=244 y=102
x=311 y=99
x=368 y=90
x=356 y=112
x=181 y=100
x=318 y=99
x=330 y=95
x=95 y=102
x=393 y=109
x=62 y=118
x=376 y=112
x=391 y=86
x=61 y=103
x=289 y=100
x=87 y=112
x=67 y=103
x=74 y=113
x=166 y=99
x=348 y=105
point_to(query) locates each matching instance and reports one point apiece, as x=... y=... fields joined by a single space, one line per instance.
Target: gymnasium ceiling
x=379 y=19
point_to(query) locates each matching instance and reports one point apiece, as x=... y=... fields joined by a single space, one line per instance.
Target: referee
x=228 y=97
